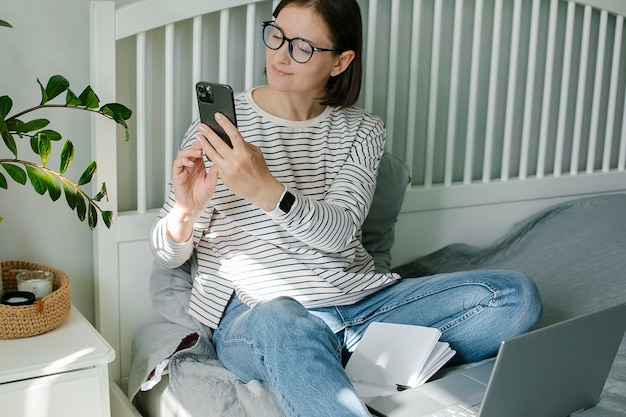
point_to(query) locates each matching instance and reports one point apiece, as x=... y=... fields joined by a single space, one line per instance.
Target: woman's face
x=286 y=75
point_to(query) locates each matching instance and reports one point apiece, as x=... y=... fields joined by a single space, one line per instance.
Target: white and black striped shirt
x=313 y=253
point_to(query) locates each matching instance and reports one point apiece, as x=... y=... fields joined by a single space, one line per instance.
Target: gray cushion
x=378 y=228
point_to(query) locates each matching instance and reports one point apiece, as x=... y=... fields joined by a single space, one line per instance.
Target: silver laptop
x=552 y=371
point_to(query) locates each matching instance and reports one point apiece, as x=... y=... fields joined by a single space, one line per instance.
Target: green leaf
x=56 y=85
x=34 y=125
x=107 y=218
x=3 y=181
x=88 y=174
x=15 y=172
x=72 y=99
x=5 y=23
x=37 y=179
x=81 y=209
x=89 y=99
x=44 y=95
x=34 y=145
x=102 y=194
x=44 y=147
x=5 y=106
x=67 y=156
x=70 y=195
x=15 y=125
x=52 y=135
x=117 y=112
x=9 y=142
x=92 y=217
x=44 y=135
x=54 y=189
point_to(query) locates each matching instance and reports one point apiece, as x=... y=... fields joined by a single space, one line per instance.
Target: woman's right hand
x=193 y=189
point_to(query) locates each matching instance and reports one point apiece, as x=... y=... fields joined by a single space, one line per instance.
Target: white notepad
x=391 y=355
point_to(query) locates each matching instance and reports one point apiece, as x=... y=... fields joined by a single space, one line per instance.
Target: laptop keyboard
x=457 y=410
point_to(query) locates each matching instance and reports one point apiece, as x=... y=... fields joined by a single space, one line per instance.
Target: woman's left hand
x=243 y=168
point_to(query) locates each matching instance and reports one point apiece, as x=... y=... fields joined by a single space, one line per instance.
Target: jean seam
x=362 y=319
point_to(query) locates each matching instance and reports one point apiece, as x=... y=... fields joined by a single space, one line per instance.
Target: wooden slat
x=433 y=96
x=196 y=65
x=529 y=101
x=613 y=87
x=392 y=81
x=473 y=93
x=621 y=164
x=251 y=45
x=169 y=104
x=580 y=96
x=563 y=99
x=511 y=91
x=224 y=47
x=454 y=92
x=141 y=119
x=414 y=66
x=597 y=93
x=547 y=88
x=142 y=16
x=492 y=105
x=370 y=63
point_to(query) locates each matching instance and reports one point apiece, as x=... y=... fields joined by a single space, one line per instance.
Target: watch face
x=286 y=202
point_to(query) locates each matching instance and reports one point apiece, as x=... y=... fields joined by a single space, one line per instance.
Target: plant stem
x=58 y=106
x=54 y=174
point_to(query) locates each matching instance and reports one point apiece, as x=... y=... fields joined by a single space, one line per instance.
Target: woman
x=274 y=222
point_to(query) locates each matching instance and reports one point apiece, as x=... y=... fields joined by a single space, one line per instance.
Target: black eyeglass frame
x=289 y=42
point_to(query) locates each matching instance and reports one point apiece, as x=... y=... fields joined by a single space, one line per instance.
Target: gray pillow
x=378 y=229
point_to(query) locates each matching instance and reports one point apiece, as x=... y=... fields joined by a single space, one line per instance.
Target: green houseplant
x=35 y=169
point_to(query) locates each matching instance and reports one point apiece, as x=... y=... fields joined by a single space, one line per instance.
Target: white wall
x=47 y=38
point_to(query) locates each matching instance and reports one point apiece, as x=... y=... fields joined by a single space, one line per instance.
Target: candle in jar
x=18 y=298
x=37 y=282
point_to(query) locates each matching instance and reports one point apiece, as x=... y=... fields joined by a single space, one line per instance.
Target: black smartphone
x=212 y=98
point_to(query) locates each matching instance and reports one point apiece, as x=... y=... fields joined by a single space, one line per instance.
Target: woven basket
x=45 y=315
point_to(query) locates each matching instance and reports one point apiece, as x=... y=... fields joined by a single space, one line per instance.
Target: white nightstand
x=62 y=373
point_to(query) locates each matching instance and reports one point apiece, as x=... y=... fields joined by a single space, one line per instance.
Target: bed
x=508 y=116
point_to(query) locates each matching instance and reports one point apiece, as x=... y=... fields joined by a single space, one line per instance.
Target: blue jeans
x=298 y=352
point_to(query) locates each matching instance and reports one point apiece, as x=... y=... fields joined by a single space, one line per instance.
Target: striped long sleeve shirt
x=313 y=253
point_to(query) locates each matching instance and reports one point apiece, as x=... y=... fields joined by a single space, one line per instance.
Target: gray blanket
x=195 y=377
x=575 y=252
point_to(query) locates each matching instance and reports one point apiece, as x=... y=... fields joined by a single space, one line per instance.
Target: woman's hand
x=193 y=189
x=243 y=168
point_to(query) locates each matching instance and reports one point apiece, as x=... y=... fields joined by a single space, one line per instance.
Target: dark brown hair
x=343 y=18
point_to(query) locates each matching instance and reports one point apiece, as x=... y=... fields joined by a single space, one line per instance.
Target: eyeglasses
x=300 y=49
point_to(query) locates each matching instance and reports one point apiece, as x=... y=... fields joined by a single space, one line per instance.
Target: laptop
x=552 y=371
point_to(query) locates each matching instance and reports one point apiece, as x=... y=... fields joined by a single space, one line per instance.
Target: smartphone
x=212 y=98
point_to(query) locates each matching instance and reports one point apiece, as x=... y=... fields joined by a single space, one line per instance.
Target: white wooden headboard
x=500 y=107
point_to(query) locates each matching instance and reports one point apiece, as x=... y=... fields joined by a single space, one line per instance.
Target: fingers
x=187 y=158
x=211 y=144
x=230 y=129
x=215 y=141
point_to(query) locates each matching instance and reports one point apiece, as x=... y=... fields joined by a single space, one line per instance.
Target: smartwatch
x=286 y=202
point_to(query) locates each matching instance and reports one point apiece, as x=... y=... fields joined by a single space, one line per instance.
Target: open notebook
x=396 y=356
